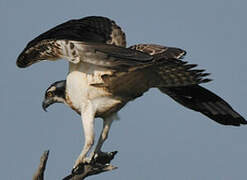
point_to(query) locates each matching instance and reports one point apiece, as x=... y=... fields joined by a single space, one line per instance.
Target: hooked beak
x=46 y=103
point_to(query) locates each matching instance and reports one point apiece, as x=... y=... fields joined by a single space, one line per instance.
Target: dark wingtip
x=190 y=66
x=236 y=122
x=27 y=57
x=206 y=80
x=22 y=61
x=242 y=121
x=228 y=120
x=20 y=64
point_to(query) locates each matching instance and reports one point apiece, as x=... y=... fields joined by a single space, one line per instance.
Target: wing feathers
x=109 y=55
x=174 y=73
x=46 y=49
x=202 y=100
x=170 y=70
x=74 y=51
x=88 y=29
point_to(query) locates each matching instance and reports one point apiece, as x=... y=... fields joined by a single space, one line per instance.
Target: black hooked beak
x=46 y=103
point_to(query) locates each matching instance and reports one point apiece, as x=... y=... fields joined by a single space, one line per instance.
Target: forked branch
x=97 y=166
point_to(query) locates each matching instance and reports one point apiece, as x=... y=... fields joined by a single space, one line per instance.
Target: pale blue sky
x=156 y=138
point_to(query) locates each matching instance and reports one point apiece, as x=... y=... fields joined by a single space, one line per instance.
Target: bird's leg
x=103 y=136
x=87 y=114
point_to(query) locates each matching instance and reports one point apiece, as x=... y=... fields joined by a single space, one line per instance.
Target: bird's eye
x=49 y=94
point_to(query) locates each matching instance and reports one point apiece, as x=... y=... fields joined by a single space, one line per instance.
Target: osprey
x=104 y=75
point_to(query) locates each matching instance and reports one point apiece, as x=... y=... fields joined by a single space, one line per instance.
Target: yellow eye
x=49 y=94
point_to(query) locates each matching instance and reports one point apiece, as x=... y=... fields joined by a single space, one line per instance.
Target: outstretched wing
x=164 y=70
x=58 y=42
x=206 y=102
x=194 y=97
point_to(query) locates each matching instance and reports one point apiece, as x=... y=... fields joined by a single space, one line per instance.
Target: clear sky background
x=156 y=137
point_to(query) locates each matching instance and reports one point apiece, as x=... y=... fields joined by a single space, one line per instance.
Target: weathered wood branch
x=39 y=174
x=89 y=170
x=98 y=165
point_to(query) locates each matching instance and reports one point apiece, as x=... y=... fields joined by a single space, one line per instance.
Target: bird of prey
x=104 y=75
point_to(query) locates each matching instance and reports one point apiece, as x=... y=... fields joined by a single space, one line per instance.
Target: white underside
x=89 y=100
x=80 y=91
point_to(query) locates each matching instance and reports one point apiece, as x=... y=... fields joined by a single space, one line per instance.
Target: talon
x=77 y=169
x=103 y=157
x=79 y=164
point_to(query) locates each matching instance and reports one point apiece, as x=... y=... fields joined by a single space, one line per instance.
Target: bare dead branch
x=89 y=170
x=98 y=165
x=39 y=174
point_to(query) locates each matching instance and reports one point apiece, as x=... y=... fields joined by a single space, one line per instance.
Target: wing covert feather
x=89 y=29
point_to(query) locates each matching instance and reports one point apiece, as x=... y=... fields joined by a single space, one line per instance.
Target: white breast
x=79 y=88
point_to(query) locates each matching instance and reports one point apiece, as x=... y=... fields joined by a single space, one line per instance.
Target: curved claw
x=103 y=157
x=79 y=168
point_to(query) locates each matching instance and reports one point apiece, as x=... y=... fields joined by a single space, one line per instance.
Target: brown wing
x=194 y=97
x=136 y=80
x=165 y=70
x=89 y=29
x=206 y=102
x=168 y=67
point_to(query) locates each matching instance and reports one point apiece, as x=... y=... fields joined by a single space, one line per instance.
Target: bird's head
x=54 y=94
